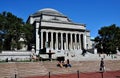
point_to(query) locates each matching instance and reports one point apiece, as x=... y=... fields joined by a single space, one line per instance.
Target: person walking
x=102 y=66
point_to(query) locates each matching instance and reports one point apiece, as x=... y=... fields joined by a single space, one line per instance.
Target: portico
x=61 y=40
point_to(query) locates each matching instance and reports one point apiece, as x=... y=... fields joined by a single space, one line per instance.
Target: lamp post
x=2 y=33
x=3 y=43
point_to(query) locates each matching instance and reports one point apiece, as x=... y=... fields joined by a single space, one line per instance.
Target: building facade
x=56 y=33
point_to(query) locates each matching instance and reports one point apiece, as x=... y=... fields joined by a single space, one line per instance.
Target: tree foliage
x=14 y=29
x=29 y=35
x=109 y=39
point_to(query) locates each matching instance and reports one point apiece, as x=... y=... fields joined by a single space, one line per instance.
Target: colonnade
x=62 y=40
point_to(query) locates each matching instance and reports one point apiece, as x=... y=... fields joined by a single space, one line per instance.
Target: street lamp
x=3 y=42
x=2 y=33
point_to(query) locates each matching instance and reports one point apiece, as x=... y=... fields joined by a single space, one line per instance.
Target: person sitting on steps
x=68 y=63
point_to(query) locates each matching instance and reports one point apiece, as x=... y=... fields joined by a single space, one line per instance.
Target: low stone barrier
x=15 y=55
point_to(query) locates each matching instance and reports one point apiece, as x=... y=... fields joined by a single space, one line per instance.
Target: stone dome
x=48 y=11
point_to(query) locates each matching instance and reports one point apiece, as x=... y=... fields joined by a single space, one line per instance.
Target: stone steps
x=8 y=70
x=31 y=69
x=83 y=66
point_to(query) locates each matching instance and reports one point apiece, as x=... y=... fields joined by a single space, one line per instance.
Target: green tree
x=108 y=39
x=28 y=32
x=12 y=25
x=15 y=28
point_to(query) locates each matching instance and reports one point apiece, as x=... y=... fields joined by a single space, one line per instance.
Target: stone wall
x=15 y=55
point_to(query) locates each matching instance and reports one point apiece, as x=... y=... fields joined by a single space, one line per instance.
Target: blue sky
x=94 y=13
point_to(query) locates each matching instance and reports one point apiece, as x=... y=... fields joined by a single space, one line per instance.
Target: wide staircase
x=30 y=69
x=7 y=70
x=82 y=66
x=53 y=69
x=23 y=69
x=76 y=55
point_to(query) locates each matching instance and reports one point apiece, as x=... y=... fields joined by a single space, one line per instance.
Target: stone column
x=71 y=40
x=56 y=41
x=37 y=39
x=84 y=39
x=66 y=41
x=61 y=41
x=51 y=41
x=46 y=39
x=75 y=41
x=41 y=40
x=79 y=41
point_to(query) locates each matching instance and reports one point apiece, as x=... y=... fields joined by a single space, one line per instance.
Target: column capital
x=66 y=32
x=46 y=31
x=56 y=32
x=75 y=33
x=71 y=33
x=51 y=32
x=41 y=31
x=61 y=32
